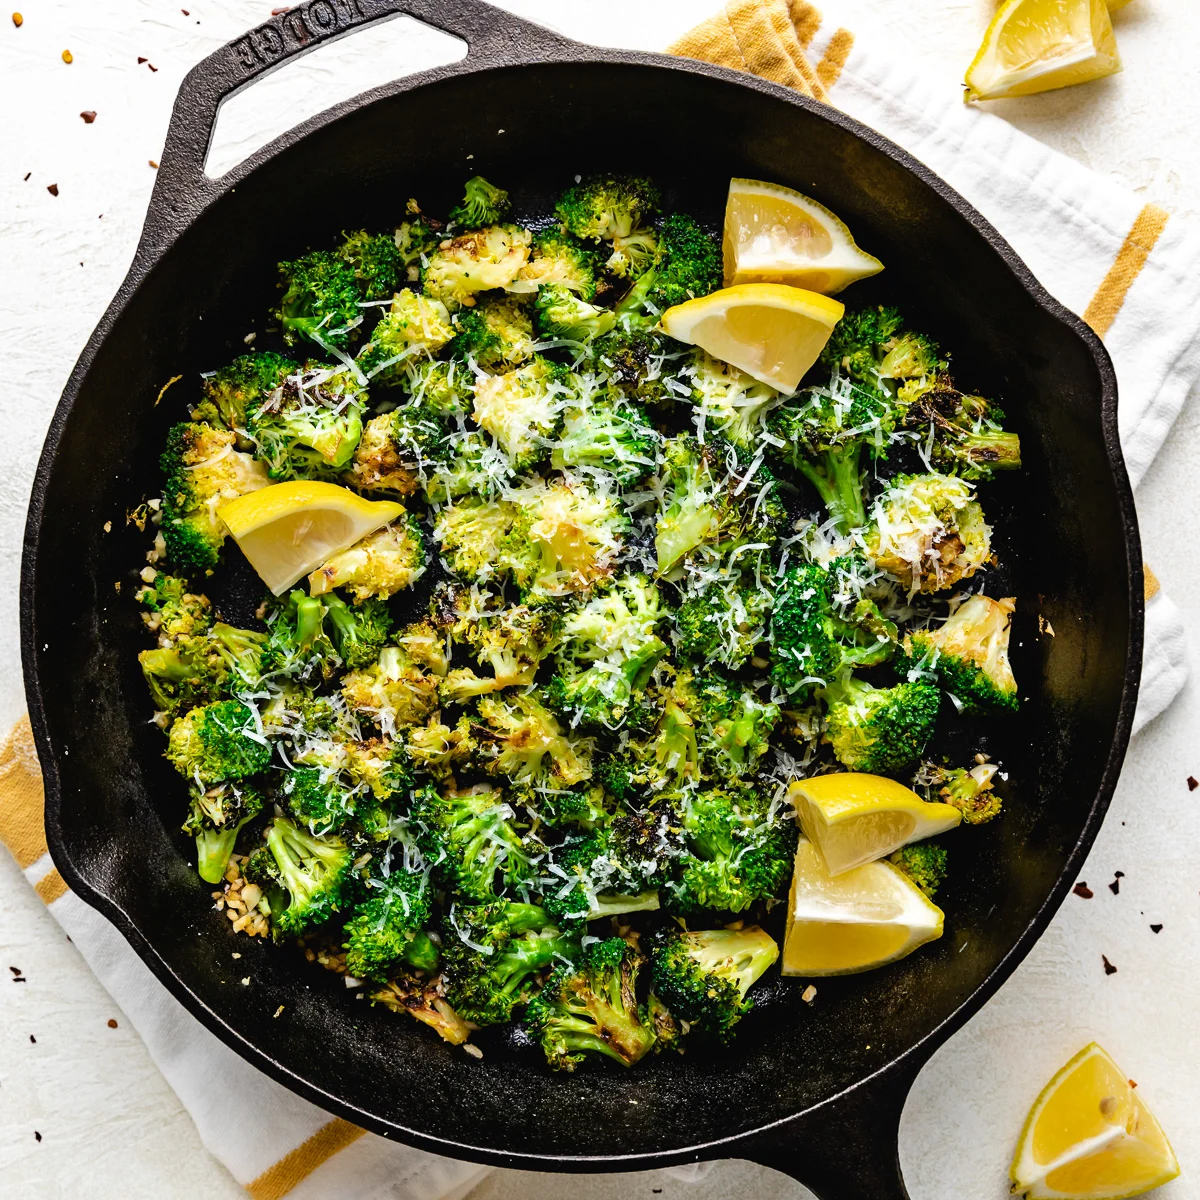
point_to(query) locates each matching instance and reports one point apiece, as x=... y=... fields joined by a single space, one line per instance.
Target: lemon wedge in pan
x=776 y=235
x=854 y=818
x=288 y=530
x=1090 y=1137
x=1036 y=45
x=864 y=918
x=772 y=332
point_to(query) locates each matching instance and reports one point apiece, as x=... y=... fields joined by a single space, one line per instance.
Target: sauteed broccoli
x=523 y=753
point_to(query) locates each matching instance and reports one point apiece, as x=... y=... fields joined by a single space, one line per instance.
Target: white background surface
x=110 y=1126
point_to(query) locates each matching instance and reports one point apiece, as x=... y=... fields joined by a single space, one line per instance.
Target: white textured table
x=109 y=1126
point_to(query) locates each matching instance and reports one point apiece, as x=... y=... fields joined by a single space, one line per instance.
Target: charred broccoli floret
x=233 y=391
x=383 y=563
x=968 y=655
x=216 y=818
x=218 y=743
x=393 y=690
x=527 y=744
x=733 y=726
x=924 y=863
x=359 y=633
x=928 y=531
x=482 y=204
x=592 y=1008
x=496 y=333
x=299 y=645
x=561 y=261
x=963 y=434
x=871 y=344
x=190 y=670
x=414 y=329
x=463 y=266
x=203 y=471
x=603 y=434
x=971 y=792
x=703 y=975
x=523 y=408
x=879 y=730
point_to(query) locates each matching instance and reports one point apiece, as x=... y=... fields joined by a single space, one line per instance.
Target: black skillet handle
x=182 y=189
x=849 y=1148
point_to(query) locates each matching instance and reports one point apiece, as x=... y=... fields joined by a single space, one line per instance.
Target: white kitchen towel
x=1093 y=244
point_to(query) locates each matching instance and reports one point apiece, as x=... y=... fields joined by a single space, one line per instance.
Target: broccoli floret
x=963 y=434
x=414 y=329
x=605 y=434
x=631 y=256
x=438 y=749
x=317 y=798
x=733 y=726
x=472 y=840
x=860 y=340
x=527 y=744
x=475 y=262
x=416 y=239
x=827 y=433
x=482 y=204
x=741 y=848
x=968 y=655
x=381 y=564
x=203 y=471
x=242 y=386
x=380 y=463
x=605 y=872
x=728 y=402
x=703 y=975
x=299 y=645
x=218 y=743
x=386 y=930
x=585 y=807
x=634 y=360
x=924 y=863
x=523 y=409
x=320 y=299
x=971 y=792
x=444 y=387
x=713 y=502
x=375 y=260
x=608 y=206
x=563 y=314
x=173 y=611
x=686 y=264
x=810 y=642
x=191 y=670
x=493 y=952
x=310 y=426
x=511 y=640
x=496 y=333
x=721 y=623
x=216 y=818
x=359 y=633
x=928 y=531
x=592 y=1008
x=561 y=261
x=315 y=871
x=393 y=691
x=879 y=730
x=600 y=697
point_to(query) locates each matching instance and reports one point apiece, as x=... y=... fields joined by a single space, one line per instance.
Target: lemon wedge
x=288 y=530
x=1090 y=1137
x=863 y=918
x=853 y=818
x=776 y=235
x=771 y=331
x=1036 y=45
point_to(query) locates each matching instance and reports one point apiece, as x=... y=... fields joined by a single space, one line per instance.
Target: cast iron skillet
x=815 y=1091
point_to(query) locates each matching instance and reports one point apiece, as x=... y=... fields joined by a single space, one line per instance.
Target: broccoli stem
x=837 y=476
x=213 y=848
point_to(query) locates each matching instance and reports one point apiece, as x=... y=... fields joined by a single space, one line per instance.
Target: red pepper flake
x=37 y=1135
x=27 y=175
x=33 y=1039
x=1082 y=890
x=53 y=189
x=1156 y=929
x=185 y=12
x=142 y=60
x=152 y=67
x=1132 y=1083
x=16 y=970
x=112 y=1023
x=152 y=163
x=1115 y=886
x=1193 y=783
x=1109 y=969
x=88 y=115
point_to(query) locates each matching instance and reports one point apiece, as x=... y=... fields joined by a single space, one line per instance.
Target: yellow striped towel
x=1093 y=244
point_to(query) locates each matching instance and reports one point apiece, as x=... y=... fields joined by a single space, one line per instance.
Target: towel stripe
x=1131 y=258
x=51 y=886
x=275 y=1182
x=806 y=19
x=829 y=69
x=1150 y=584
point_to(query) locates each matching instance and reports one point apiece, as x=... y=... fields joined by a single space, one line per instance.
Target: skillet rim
x=165 y=224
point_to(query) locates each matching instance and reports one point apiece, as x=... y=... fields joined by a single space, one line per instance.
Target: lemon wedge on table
x=856 y=921
x=1090 y=1137
x=776 y=235
x=854 y=818
x=1036 y=45
x=771 y=331
x=288 y=530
